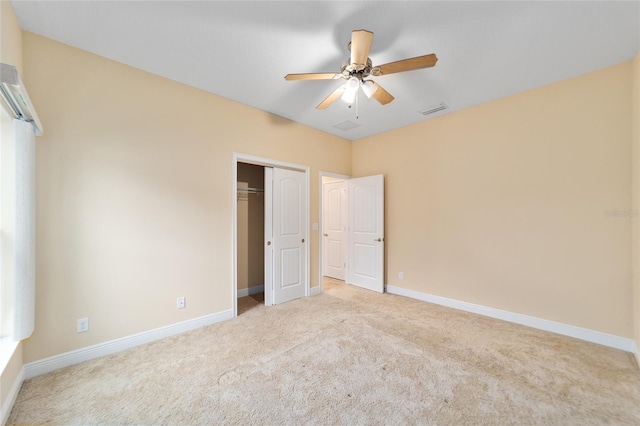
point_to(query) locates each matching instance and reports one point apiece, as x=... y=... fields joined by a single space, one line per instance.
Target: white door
x=268 y=236
x=290 y=240
x=333 y=228
x=365 y=259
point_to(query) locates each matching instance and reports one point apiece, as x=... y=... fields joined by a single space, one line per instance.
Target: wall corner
x=635 y=202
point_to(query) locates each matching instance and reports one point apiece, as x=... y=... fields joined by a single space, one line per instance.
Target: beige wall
x=134 y=194
x=250 y=240
x=10 y=37
x=635 y=262
x=503 y=204
x=11 y=53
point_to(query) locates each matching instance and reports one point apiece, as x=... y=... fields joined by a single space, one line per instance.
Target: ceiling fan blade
x=410 y=64
x=382 y=95
x=313 y=76
x=335 y=95
x=360 y=47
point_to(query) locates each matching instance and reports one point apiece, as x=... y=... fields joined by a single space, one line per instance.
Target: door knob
x=379 y=240
x=326 y=235
x=303 y=240
x=268 y=243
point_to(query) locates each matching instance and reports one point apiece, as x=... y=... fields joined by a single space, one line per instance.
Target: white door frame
x=266 y=162
x=321 y=204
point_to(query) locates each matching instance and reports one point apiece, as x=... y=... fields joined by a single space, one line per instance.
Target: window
x=17 y=229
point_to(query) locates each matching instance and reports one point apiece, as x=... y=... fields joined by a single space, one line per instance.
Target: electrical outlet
x=83 y=325
x=400 y=275
x=181 y=302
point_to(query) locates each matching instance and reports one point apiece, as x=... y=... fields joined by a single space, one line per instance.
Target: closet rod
x=250 y=190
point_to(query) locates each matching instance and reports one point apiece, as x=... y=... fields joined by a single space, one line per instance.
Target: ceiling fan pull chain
x=357 y=115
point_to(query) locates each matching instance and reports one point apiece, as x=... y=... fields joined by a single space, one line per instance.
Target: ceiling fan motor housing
x=356 y=70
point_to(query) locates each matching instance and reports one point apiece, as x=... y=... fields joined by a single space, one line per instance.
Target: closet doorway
x=250 y=231
x=270 y=231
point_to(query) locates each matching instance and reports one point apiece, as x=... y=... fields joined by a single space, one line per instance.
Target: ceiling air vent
x=346 y=125
x=434 y=108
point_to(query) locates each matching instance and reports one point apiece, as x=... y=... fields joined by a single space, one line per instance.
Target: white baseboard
x=11 y=397
x=314 y=290
x=244 y=292
x=593 y=336
x=66 y=359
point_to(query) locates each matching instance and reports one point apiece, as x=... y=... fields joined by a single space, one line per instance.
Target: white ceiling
x=242 y=50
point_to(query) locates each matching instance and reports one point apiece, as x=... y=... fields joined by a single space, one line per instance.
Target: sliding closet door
x=289 y=235
x=268 y=236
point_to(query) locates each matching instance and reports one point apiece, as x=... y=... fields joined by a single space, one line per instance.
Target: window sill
x=7 y=349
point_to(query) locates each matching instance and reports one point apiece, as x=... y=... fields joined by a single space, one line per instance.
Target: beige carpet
x=347 y=356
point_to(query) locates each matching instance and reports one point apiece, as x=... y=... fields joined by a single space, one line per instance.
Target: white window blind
x=25 y=235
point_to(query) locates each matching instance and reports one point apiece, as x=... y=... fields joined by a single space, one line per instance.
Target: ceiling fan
x=358 y=67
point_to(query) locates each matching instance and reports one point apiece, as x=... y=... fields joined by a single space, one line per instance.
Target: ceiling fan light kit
x=369 y=88
x=349 y=96
x=358 y=67
x=350 y=88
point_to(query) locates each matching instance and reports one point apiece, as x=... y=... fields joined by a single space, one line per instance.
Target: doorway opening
x=352 y=231
x=270 y=222
x=333 y=240
x=250 y=236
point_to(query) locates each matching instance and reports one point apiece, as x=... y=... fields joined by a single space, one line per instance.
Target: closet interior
x=250 y=231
